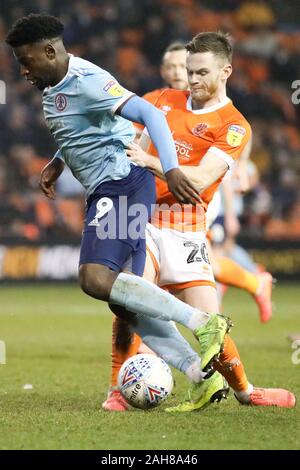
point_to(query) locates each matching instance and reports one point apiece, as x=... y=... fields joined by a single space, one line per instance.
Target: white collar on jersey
x=210 y=109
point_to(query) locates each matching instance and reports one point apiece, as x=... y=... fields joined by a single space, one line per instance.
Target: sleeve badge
x=114 y=89
x=235 y=135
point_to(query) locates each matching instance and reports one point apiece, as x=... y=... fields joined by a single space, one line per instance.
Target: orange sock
x=124 y=345
x=231 y=366
x=233 y=274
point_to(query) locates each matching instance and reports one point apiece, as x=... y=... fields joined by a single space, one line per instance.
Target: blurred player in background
x=169 y=263
x=232 y=265
x=227 y=236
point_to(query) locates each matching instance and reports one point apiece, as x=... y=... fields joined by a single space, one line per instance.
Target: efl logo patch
x=60 y=102
x=235 y=135
x=200 y=129
x=114 y=89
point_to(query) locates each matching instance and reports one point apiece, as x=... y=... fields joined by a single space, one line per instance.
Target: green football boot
x=200 y=395
x=211 y=340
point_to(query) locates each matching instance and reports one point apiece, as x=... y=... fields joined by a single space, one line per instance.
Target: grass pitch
x=58 y=340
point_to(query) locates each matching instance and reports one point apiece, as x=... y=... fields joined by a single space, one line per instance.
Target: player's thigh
x=150 y=273
x=152 y=265
x=201 y=297
x=213 y=257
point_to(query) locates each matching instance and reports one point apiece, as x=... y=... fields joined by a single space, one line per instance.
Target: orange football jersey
x=221 y=129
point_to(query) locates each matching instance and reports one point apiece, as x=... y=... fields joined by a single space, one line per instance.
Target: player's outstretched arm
x=139 y=110
x=49 y=175
x=210 y=169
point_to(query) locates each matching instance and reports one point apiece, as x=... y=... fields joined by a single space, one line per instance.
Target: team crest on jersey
x=200 y=129
x=235 y=135
x=165 y=109
x=61 y=102
x=114 y=89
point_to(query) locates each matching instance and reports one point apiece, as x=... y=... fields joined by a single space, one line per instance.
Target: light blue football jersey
x=80 y=113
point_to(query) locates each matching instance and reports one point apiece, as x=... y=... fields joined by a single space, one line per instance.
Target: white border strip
x=220 y=153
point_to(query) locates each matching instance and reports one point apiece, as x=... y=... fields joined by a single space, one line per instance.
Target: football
x=145 y=381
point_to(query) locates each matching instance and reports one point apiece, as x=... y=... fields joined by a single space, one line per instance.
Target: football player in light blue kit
x=85 y=108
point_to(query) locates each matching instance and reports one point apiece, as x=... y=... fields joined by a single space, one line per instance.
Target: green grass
x=58 y=340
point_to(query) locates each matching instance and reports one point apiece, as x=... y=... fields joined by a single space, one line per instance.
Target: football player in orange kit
x=226 y=271
x=210 y=135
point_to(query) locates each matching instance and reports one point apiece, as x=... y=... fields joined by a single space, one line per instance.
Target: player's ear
x=227 y=71
x=50 y=51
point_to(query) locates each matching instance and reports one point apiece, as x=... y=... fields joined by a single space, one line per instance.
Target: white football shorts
x=180 y=258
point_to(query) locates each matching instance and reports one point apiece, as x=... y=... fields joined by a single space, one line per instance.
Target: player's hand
x=137 y=155
x=47 y=185
x=242 y=178
x=181 y=187
x=49 y=175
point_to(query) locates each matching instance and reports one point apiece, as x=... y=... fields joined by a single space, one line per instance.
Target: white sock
x=244 y=397
x=144 y=298
x=194 y=372
x=198 y=319
x=168 y=343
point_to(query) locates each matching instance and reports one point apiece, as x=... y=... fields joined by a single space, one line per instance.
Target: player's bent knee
x=94 y=282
